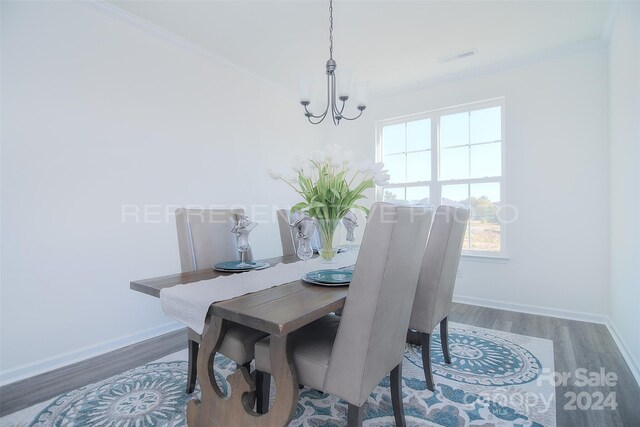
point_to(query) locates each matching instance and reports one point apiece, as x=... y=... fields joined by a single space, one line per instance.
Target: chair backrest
x=375 y=318
x=288 y=239
x=439 y=268
x=205 y=238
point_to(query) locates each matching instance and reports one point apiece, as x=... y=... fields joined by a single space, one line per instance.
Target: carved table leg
x=200 y=410
x=213 y=409
x=283 y=373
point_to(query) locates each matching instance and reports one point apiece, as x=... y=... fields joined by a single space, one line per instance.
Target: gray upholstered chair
x=205 y=239
x=288 y=239
x=435 y=284
x=348 y=356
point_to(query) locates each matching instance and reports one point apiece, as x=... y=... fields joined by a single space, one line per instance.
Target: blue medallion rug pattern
x=494 y=380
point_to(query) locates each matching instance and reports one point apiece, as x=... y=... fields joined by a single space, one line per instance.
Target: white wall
x=624 y=73
x=97 y=114
x=557 y=177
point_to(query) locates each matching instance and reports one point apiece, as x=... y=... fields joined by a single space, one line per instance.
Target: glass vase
x=329 y=234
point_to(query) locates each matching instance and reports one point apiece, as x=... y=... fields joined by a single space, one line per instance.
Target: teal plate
x=234 y=266
x=328 y=277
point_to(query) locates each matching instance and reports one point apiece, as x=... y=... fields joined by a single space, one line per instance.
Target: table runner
x=190 y=303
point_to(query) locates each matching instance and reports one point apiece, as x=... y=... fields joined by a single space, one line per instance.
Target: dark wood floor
x=576 y=345
x=22 y=394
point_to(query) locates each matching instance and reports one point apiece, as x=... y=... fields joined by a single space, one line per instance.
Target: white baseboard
x=32 y=369
x=634 y=364
x=533 y=309
x=602 y=319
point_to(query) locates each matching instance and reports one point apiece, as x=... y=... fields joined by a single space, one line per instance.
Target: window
x=452 y=156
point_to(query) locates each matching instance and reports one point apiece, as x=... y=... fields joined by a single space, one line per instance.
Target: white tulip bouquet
x=331 y=184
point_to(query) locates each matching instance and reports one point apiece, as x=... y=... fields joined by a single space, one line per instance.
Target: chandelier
x=333 y=107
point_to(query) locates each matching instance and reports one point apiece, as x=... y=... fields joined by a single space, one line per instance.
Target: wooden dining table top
x=278 y=310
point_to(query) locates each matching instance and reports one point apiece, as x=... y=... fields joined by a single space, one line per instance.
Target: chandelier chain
x=330 y=29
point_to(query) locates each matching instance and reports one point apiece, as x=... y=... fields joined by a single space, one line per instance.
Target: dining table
x=278 y=311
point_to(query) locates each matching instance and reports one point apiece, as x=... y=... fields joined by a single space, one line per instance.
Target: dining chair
x=437 y=279
x=348 y=356
x=288 y=239
x=205 y=239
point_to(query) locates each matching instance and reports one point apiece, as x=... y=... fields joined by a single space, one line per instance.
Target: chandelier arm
x=334 y=107
x=320 y=118
x=327 y=108
x=331 y=84
x=315 y=123
x=309 y=114
x=353 y=118
x=335 y=116
x=342 y=107
x=332 y=94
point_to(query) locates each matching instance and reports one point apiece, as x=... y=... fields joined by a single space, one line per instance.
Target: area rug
x=495 y=379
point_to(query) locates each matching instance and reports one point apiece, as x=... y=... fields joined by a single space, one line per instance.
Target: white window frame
x=435 y=185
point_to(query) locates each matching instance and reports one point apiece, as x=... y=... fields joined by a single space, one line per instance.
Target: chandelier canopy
x=333 y=107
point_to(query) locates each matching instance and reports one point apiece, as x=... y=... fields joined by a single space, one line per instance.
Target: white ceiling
x=389 y=43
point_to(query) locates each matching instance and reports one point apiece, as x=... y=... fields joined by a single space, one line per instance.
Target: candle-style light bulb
x=362 y=94
x=305 y=90
x=344 y=82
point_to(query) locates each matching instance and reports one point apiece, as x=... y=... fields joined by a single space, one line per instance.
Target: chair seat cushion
x=238 y=344
x=311 y=348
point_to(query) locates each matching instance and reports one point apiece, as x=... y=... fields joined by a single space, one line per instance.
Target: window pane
x=454 y=130
x=454 y=163
x=489 y=190
x=485 y=125
x=419 y=135
x=396 y=164
x=393 y=194
x=457 y=195
x=419 y=166
x=486 y=160
x=393 y=139
x=484 y=225
x=418 y=195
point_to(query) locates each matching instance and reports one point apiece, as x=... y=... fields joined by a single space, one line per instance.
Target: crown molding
x=112 y=11
x=497 y=66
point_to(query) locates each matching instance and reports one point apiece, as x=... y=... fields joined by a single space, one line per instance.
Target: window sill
x=498 y=259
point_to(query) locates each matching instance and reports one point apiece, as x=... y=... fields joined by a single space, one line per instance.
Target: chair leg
x=444 y=340
x=396 y=395
x=425 y=340
x=263 y=389
x=413 y=337
x=354 y=415
x=192 y=366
